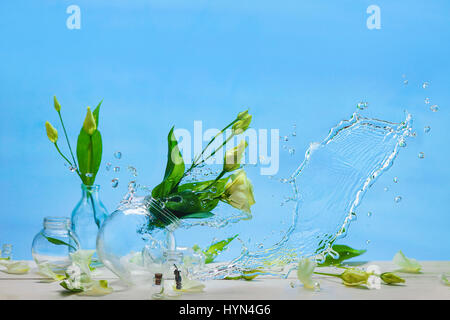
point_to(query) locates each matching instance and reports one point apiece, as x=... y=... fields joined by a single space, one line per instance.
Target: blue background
x=159 y=63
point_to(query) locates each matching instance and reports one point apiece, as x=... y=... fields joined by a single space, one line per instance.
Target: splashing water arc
x=327 y=188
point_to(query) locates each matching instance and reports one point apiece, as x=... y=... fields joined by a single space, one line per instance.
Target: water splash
x=326 y=190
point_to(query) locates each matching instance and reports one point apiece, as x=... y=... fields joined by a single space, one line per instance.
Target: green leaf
x=174 y=169
x=89 y=155
x=247 y=275
x=345 y=253
x=215 y=249
x=64 y=285
x=187 y=202
x=199 y=215
x=58 y=242
x=96 y=113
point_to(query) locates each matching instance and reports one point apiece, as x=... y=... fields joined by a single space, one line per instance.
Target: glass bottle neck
x=88 y=191
x=57 y=224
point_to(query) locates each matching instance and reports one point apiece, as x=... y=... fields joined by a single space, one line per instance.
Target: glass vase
x=136 y=247
x=88 y=216
x=54 y=242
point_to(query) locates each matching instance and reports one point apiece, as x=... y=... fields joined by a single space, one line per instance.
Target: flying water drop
x=421 y=155
x=114 y=182
x=118 y=155
x=397 y=199
x=434 y=108
x=426 y=129
x=116 y=169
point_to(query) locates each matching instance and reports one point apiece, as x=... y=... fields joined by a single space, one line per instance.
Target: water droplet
x=369 y=214
x=72 y=169
x=132 y=170
x=405 y=82
x=285 y=138
x=434 y=108
x=260 y=246
x=427 y=100
x=132 y=185
x=108 y=166
x=317 y=287
x=294 y=134
x=118 y=155
x=114 y=182
x=395 y=179
x=89 y=175
x=402 y=143
x=367 y=241
x=116 y=169
x=386 y=189
x=291 y=151
x=362 y=105
x=397 y=199
x=425 y=85
x=421 y=155
x=426 y=129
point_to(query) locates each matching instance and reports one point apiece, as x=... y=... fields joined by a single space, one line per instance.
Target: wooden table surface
x=425 y=285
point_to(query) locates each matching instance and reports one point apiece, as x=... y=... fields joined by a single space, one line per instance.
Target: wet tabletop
x=425 y=285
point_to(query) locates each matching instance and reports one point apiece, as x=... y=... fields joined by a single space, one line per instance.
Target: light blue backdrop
x=159 y=63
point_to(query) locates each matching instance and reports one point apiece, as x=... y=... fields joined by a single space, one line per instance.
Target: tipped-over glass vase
x=136 y=242
x=54 y=242
x=88 y=216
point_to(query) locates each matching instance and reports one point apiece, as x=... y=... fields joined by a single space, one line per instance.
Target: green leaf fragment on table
x=215 y=249
x=247 y=275
x=345 y=253
x=391 y=278
x=407 y=265
x=444 y=280
x=174 y=168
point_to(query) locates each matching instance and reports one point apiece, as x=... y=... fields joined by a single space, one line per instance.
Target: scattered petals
x=305 y=271
x=45 y=269
x=15 y=267
x=408 y=265
x=190 y=285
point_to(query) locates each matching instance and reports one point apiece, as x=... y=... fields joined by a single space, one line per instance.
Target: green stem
x=67 y=138
x=328 y=274
x=215 y=180
x=93 y=208
x=70 y=163
x=194 y=164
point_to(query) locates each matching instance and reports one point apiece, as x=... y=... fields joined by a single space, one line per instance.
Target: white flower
x=305 y=271
x=74 y=272
x=239 y=192
x=406 y=264
x=232 y=159
x=374 y=281
x=82 y=258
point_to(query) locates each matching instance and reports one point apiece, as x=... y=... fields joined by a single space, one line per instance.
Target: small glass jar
x=6 y=252
x=53 y=244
